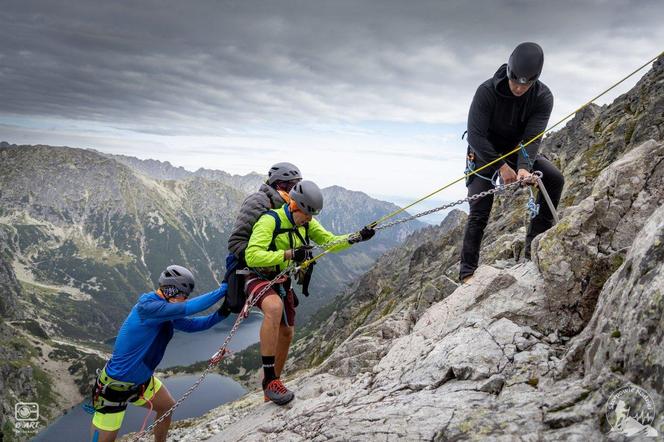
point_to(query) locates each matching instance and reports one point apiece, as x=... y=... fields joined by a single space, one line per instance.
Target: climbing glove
x=363 y=235
x=302 y=254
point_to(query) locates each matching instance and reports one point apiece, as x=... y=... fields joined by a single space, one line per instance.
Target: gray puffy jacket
x=252 y=208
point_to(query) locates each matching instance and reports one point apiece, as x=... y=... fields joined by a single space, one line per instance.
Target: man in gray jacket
x=281 y=178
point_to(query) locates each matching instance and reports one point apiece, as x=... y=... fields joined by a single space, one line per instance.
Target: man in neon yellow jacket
x=279 y=237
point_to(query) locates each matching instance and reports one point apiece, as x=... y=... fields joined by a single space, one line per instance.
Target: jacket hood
x=499 y=77
x=275 y=198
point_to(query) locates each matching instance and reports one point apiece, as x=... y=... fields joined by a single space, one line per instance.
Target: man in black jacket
x=508 y=109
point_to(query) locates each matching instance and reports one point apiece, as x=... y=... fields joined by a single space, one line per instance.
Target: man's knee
x=167 y=404
x=480 y=210
x=272 y=308
x=551 y=175
x=555 y=178
x=104 y=436
x=162 y=401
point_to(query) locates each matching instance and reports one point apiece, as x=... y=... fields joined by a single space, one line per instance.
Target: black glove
x=363 y=235
x=302 y=254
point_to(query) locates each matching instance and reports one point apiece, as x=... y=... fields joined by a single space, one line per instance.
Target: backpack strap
x=304 y=240
x=293 y=230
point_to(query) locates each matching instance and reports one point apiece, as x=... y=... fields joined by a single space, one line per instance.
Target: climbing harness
x=219 y=355
x=471 y=166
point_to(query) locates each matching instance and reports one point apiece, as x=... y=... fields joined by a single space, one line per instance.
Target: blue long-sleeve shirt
x=144 y=335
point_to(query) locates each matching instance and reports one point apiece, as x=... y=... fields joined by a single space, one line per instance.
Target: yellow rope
x=398 y=211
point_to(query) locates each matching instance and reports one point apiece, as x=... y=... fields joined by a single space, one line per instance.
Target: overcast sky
x=369 y=95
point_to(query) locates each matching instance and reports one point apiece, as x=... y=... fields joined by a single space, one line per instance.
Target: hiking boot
x=277 y=392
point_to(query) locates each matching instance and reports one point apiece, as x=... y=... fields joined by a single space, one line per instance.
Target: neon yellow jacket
x=257 y=254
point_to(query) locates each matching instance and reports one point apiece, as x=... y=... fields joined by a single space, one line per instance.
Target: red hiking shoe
x=277 y=392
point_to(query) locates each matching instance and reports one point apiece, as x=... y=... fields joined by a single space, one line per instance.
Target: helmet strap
x=292 y=206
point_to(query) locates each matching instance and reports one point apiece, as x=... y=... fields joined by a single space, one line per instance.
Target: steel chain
x=218 y=356
x=498 y=189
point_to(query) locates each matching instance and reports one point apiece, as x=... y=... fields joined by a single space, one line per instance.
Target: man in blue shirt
x=140 y=346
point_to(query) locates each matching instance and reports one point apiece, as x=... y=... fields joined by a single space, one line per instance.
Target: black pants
x=481 y=209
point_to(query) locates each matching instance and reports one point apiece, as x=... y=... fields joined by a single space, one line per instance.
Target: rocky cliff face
x=526 y=351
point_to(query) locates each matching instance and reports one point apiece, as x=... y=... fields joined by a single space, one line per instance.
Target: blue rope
x=524 y=152
x=88 y=408
x=533 y=207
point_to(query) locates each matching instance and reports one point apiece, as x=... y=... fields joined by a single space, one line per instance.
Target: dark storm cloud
x=172 y=66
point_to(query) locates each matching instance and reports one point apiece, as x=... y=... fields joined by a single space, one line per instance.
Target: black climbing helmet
x=525 y=63
x=308 y=197
x=283 y=172
x=178 y=277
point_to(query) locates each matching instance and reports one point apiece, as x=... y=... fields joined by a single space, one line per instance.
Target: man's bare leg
x=283 y=344
x=272 y=308
x=162 y=401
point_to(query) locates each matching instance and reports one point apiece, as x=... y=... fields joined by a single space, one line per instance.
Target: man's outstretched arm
x=200 y=323
x=158 y=311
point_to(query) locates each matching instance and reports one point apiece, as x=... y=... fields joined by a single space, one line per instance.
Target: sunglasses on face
x=172 y=292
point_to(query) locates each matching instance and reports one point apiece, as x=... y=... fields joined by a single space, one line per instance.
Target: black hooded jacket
x=498 y=121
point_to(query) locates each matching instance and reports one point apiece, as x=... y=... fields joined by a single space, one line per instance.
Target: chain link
x=218 y=356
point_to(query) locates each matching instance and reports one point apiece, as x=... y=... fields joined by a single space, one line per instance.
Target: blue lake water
x=184 y=349
x=213 y=391
x=187 y=348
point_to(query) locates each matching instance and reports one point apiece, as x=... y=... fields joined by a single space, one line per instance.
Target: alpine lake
x=184 y=349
